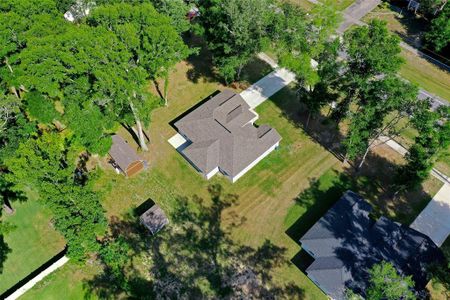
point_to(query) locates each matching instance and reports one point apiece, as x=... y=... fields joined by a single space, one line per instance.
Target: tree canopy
x=386 y=283
x=438 y=37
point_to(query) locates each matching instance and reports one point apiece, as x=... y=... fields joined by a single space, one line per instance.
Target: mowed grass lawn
x=32 y=242
x=265 y=194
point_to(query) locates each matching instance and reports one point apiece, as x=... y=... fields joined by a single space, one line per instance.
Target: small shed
x=154 y=219
x=125 y=158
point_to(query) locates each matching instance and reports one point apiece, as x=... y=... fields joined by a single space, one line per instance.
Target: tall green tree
x=234 y=31
x=47 y=165
x=438 y=37
x=387 y=283
x=154 y=43
x=381 y=107
x=177 y=10
x=433 y=139
x=372 y=51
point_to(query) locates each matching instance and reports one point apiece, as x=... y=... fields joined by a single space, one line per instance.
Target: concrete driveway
x=434 y=220
x=356 y=11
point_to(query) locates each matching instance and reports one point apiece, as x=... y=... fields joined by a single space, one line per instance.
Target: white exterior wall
x=212 y=173
x=235 y=178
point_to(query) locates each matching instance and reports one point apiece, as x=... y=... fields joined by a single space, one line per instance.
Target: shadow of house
x=347 y=241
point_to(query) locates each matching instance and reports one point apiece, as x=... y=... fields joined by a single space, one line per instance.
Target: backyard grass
x=32 y=242
x=65 y=283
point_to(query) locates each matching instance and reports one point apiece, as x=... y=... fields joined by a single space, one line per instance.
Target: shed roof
x=122 y=153
x=223 y=135
x=154 y=219
x=346 y=243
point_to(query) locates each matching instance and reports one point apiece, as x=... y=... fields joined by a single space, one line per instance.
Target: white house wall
x=239 y=175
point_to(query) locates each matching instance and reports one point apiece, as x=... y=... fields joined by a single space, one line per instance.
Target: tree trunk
x=307 y=120
x=166 y=88
x=364 y=158
x=239 y=72
x=140 y=132
x=7 y=207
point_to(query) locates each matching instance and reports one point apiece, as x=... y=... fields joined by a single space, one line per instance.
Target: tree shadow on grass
x=201 y=62
x=319 y=128
x=191 y=258
x=317 y=201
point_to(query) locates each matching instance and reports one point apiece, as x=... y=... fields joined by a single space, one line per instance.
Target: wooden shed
x=125 y=158
x=154 y=219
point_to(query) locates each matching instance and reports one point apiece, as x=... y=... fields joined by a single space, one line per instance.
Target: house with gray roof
x=222 y=137
x=347 y=241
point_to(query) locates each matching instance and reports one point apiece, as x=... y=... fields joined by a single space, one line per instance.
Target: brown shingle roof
x=222 y=134
x=122 y=153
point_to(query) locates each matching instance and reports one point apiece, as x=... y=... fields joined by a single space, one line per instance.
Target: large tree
x=234 y=31
x=47 y=166
x=154 y=43
x=387 y=283
x=371 y=52
x=381 y=107
x=438 y=37
x=433 y=139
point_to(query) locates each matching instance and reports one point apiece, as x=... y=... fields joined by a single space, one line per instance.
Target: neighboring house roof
x=346 y=242
x=154 y=219
x=122 y=153
x=223 y=135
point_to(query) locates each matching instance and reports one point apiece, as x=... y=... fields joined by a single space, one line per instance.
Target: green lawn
x=32 y=242
x=340 y=4
x=65 y=283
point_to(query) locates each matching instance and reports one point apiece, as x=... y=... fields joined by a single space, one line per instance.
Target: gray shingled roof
x=122 y=153
x=154 y=219
x=222 y=134
x=346 y=242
